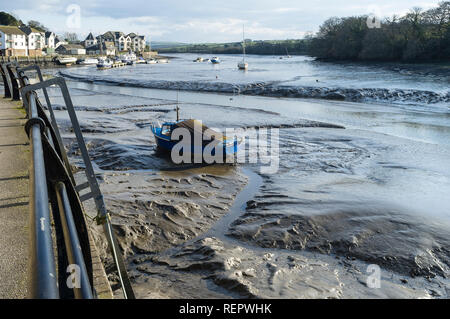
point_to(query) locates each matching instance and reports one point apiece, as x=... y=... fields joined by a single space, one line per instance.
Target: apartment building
x=35 y=40
x=13 y=41
x=50 y=38
x=124 y=42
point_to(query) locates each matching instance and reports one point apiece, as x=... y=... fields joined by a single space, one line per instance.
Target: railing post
x=5 y=77
x=82 y=289
x=14 y=83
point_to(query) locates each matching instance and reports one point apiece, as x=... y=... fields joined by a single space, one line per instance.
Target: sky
x=200 y=21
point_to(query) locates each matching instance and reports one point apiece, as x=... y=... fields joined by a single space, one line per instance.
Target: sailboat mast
x=243 y=40
x=178 y=109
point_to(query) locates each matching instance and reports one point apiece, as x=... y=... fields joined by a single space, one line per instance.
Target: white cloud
x=204 y=20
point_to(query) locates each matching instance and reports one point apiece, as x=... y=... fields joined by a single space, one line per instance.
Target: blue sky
x=200 y=20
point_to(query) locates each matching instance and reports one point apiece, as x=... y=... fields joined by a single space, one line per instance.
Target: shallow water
x=376 y=191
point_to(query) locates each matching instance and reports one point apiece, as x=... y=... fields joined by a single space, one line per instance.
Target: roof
x=90 y=36
x=132 y=35
x=48 y=34
x=107 y=45
x=28 y=30
x=71 y=46
x=108 y=35
x=11 y=30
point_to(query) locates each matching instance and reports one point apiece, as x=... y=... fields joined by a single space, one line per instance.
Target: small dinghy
x=208 y=139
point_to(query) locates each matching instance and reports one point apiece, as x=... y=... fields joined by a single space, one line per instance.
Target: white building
x=137 y=42
x=124 y=42
x=35 y=40
x=90 y=41
x=50 y=38
x=13 y=41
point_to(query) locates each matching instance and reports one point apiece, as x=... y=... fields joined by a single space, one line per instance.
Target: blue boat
x=215 y=60
x=164 y=141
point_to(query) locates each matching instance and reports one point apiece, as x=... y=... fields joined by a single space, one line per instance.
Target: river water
x=363 y=177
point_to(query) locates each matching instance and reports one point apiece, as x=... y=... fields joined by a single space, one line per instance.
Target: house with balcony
x=35 y=40
x=13 y=41
x=124 y=42
x=137 y=42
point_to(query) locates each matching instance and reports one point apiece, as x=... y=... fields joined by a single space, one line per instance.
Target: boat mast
x=178 y=109
x=101 y=46
x=243 y=41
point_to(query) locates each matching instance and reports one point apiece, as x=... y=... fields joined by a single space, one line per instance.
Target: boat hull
x=164 y=143
x=243 y=66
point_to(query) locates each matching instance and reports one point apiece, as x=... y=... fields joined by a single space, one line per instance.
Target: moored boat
x=215 y=60
x=243 y=65
x=89 y=61
x=210 y=141
x=104 y=64
x=128 y=57
x=66 y=60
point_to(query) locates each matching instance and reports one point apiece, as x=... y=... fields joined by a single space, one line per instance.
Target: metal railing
x=55 y=197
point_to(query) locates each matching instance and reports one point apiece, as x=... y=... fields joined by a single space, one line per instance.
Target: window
x=165 y=130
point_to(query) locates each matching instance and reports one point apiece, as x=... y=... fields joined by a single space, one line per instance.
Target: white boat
x=151 y=61
x=199 y=59
x=104 y=64
x=66 y=60
x=89 y=61
x=215 y=60
x=163 y=60
x=127 y=58
x=243 y=65
x=287 y=54
x=140 y=61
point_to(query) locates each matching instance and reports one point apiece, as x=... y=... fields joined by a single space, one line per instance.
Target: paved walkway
x=14 y=230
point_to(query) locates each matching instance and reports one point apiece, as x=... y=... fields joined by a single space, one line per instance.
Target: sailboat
x=243 y=65
x=287 y=54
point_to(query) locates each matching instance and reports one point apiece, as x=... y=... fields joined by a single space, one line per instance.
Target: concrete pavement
x=14 y=198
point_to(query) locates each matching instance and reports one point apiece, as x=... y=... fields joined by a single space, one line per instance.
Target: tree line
x=269 y=47
x=417 y=36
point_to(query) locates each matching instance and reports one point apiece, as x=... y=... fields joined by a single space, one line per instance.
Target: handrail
x=43 y=275
x=54 y=182
x=103 y=216
x=43 y=269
